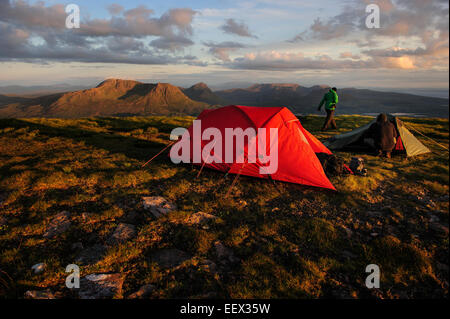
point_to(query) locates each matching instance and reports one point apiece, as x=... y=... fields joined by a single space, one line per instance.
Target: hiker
x=384 y=135
x=330 y=99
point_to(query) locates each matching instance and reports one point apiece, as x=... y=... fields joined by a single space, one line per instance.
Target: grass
x=289 y=242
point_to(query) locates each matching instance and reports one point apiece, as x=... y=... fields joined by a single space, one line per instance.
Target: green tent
x=406 y=143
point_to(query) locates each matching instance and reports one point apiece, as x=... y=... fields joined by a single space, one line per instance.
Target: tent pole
x=234 y=181
x=170 y=144
x=204 y=162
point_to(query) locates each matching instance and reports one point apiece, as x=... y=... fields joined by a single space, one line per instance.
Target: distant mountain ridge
x=116 y=97
x=111 y=97
x=201 y=92
x=300 y=99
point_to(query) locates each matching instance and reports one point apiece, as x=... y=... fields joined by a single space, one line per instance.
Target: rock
x=440 y=230
x=58 y=225
x=143 y=292
x=348 y=254
x=375 y=214
x=91 y=255
x=348 y=232
x=442 y=267
x=122 y=233
x=40 y=294
x=38 y=268
x=101 y=286
x=374 y=234
x=390 y=230
x=157 y=205
x=168 y=258
x=133 y=217
x=434 y=219
x=224 y=253
x=3 y=221
x=199 y=218
x=77 y=246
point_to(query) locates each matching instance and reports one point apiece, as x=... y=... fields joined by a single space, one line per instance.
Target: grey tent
x=406 y=142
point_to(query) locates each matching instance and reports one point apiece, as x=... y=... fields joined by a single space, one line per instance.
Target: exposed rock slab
x=224 y=254
x=38 y=268
x=168 y=258
x=122 y=233
x=199 y=218
x=158 y=205
x=40 y=294
x=58 y=225
x=101 y=286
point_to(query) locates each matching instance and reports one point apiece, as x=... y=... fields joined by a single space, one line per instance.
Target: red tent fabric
x=297 y=148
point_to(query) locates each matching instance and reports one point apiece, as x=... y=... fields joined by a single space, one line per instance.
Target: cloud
x=288 y=61
x=349 y=55
x=172 y=43
x=294 y=61
x=422 y=23
x=115 y=9
x=236 y=28
x=222 y=50
x=35 y=31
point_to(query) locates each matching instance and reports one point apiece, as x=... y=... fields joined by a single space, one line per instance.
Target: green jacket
x=330 y=100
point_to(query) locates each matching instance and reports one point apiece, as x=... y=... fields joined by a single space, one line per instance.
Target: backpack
x=357 y=166
x=332 y=164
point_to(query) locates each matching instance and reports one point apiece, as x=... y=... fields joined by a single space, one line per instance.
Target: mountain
x=116 y=97
x=111 y=97
x=202 y=93
x=302 y=99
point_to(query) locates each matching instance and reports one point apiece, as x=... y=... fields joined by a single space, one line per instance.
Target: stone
x=77 y=246
x=58 y=225
x=91 y=255
x=133 y=217
x=143 y=292
x=375 y=214
x=199 y=218
x=101 y=286
x=40 y=294
x=348 y=232
x=38 y=268
x=224 y=253
x=348 y=254
x=3 y=221
x=440 y=230
x=158 y=205
x=374 y=234
x=441 y=266
x=122 y=233
x=168 y=258
x=434 y=219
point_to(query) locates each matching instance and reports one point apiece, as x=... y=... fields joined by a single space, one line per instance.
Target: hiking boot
x=388 y=154
x=378 y=153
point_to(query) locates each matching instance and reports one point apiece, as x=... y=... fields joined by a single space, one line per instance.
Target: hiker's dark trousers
x=329 y=121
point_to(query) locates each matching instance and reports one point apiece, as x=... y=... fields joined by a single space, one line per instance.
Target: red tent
x=297 y=148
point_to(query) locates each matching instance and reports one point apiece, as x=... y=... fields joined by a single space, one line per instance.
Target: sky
x=229 y=41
